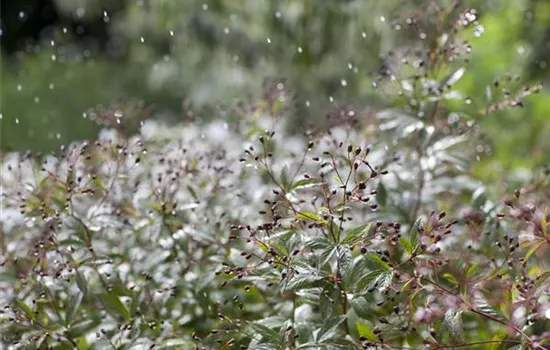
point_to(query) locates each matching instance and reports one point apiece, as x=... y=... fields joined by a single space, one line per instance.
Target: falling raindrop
x=51 y=86
x=269 y=40
x=308 y=103
x=16 y=120
x=19 y=87
x=350 y=66
x=142 y=39
x=22 y=15
x=344 y=82
x=382 y=19
x=171 y=33
x=468 y=100
x=364 y=35
x=226 y=30
x=278 y=14
x=300 y=50
x=204 y=7
x=36 y=99
x=331 y=99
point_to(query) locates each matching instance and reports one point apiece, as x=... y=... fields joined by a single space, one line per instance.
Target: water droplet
x=36 y=99
x=226 y=30
x=64 y=30
x=80 y=12
x=382 y=19
x=269 y=40
x=308 y=103
x=22 y=15
x=52 y=43
x=54 y=58
x=423 y=36
x=19 y=87
x=278 y=14
x=350 y=66
x=468 y=100
x=1 y=116
x=331 y=99
x=204 y=7
x=171 y=33
x=364 y=35
x=51 y=86
x=16 y=120
x=142 y=39
x=344 y=82
x=300 y=50
x=58 y=136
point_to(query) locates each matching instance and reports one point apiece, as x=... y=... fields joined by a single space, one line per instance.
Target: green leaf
x=369 y=278
x=81 y=283
x=309 y=216
x=374 y=262
x=366 y=331
x=497 y=340
x=81 y=328
x=113 y=304
x=72 y=307
x=453 y=77
x=268 y=334
x=357 y=233
x=329 y=327
x=345 y=259
x=489 y=310
x=381 y=194
x=285 y=178
x=361 y=307
x=479 y=198
x=453 y=323
x=27 y=310
x=305 y=183
x=302 y=281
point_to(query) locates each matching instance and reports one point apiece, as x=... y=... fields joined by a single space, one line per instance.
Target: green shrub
x=373 y=233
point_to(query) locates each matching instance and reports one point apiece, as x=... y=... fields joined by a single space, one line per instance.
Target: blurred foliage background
x=67 y=61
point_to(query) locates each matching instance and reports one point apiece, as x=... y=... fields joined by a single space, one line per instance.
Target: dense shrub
x=372 y=233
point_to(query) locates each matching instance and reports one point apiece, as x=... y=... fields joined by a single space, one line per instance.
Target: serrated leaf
x=268 y=334
x=368 y=279
x=329 y=327
x=453 y=323
x=489 y=310
x=302 y=281
x=72 y=307
x=345 y=259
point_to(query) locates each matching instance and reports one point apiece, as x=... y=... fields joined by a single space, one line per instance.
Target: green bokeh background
x=211 y=52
